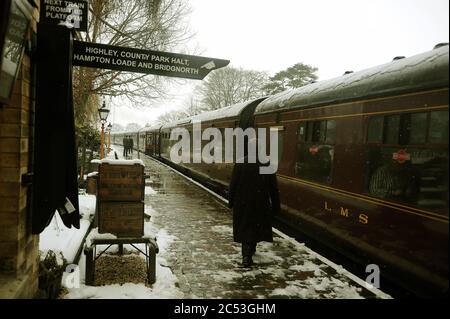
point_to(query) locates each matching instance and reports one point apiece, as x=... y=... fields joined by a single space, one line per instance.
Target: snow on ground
x=149 y=191
x=311 y=287
x=94 y=234
x=60 y=239
x=149 y=211
x=317 y=284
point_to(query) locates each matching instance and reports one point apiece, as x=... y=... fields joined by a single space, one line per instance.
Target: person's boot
x=247 y=261
x=247 y=253
x=253 y=249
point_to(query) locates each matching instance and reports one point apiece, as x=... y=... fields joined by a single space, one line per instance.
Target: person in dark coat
x=131 y=145
x=124 y=143
x=254 y=198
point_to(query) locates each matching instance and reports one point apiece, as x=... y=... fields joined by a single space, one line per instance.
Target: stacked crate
x=120 y=198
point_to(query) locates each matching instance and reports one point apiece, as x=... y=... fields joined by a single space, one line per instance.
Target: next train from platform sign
x=363 y=164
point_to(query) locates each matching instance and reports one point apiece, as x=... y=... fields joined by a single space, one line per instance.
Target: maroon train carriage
x=363 y=164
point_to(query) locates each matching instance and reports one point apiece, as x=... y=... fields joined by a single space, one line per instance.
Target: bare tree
x=132 y=127
x=230 y=85
x=192 y=105
x=145 y=24
x=116 y=127
x=172 y=116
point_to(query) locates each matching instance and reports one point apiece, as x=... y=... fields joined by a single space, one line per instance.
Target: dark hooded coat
x=55 y=156
x=254 y=198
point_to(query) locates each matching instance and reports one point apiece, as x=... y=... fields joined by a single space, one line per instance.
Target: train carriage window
x=319 y=129
x=309 y=131
x=391 y=129
x=438 y=133
x=375 y=129
x=417 y=128
x=331 y=132
x=412 y=164
x=302 y=132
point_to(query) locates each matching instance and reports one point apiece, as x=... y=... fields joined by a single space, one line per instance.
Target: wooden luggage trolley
x=120 y=211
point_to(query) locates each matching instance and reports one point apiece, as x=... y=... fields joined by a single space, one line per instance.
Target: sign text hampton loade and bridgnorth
x=104 y=56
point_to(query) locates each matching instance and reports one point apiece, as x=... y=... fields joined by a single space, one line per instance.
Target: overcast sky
x=334 y=36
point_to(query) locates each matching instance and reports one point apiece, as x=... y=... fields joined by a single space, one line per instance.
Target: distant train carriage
x=218 y=174
x=151 y=140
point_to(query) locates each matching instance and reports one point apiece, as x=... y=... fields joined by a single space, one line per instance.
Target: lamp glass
x=103 y=113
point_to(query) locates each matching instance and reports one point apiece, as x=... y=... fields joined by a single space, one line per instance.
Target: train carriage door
x=156 y=143
x=315 y=150
x=147 y=143
x=280 y=130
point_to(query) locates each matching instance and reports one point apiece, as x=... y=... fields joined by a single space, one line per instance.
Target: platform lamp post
x=103 y=113
x=109 y=129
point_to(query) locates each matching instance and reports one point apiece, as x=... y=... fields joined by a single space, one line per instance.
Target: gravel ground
x=112 y=269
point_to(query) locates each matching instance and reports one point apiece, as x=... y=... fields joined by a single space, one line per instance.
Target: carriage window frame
x=404 y=132
x=378 y=134
x=432 y=126
x=388 y=126
x=302 y=132
x=316 y=137
x=425 y=193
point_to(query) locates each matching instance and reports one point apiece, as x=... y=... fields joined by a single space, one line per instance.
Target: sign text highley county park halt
x=104 y=56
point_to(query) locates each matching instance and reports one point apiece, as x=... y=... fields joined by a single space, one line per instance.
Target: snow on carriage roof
x=424 y=71
x=222 y=113
x=149 y=128
x=185 y=120
x=225 y=112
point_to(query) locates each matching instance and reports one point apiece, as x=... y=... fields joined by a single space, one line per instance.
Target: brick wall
x=19 y=254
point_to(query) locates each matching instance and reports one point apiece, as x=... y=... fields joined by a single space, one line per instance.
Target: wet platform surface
x=206 y=261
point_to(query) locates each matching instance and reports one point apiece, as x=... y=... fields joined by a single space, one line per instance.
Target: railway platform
x=202 y=256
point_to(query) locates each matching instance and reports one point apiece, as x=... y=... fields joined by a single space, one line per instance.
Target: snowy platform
x=198 y=259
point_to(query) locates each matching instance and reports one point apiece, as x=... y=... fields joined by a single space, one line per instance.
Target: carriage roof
x=421 y=72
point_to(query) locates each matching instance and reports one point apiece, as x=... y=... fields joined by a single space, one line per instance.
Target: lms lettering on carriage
x=250 y=146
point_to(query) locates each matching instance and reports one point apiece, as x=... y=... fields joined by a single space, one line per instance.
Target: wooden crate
x=121 y=182
x=123 y=219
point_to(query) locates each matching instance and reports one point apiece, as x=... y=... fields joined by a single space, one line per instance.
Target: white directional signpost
x=104 y=56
